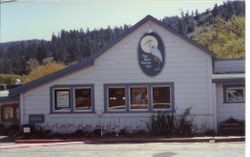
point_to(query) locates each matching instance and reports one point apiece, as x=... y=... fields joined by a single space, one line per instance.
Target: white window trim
x=129 y=98
x=107 y=99
x=152 y=98
x=74 y=105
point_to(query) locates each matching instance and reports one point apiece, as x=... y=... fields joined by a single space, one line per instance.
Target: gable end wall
x=186 y=66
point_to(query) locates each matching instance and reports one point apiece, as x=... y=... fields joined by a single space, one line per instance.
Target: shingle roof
x=88 y=62
x=229 y=66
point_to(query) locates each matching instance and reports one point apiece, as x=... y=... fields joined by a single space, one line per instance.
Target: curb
x=39 y=141
x=131 y=140
x=26 y=145
x=211 y=140
x=22 y=143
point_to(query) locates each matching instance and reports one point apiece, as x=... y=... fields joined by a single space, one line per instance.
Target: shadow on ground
x=165 y=154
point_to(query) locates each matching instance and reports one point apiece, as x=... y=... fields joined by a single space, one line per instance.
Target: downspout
x=21 y=109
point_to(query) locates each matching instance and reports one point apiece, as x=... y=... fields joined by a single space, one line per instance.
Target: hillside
x=75 y=45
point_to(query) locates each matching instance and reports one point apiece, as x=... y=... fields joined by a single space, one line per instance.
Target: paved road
x=231 y=149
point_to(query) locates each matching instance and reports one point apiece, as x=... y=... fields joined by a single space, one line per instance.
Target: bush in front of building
x=11 y=130
x=183 y=125
x=161 y=123
x=167 y=124
x=80 y=133
x=1 y=129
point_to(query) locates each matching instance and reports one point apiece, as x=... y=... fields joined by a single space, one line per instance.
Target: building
x=9 y=106
x=149 y=68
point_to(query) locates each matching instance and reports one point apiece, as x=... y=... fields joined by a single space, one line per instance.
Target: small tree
x=43 y=70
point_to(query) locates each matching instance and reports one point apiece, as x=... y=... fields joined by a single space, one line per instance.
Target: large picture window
x=235 y=94
x=161 y=97
x=138 y=98
x=62 y=99
x=82 y=99
x=116 y=98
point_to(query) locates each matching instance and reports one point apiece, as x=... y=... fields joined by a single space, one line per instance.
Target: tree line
x=68 y=47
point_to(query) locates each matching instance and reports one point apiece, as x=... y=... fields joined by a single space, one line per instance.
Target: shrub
x=41 y=133
x=123 y=132
x=183 y=125
x=139 y=133
x=109 y=133
x=231 y=120
x=79 y=133
x=209 y=132
x=12 y=129
x=97 y=132
x=1 y=129
x=161 y=124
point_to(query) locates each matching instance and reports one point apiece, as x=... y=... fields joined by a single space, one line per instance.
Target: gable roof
x=90 y=61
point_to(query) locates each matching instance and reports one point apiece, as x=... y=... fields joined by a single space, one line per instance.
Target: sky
x=38 y=19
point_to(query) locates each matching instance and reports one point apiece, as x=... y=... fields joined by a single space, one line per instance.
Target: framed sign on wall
x=62 y=99
x=36 y=118
x=151 y=54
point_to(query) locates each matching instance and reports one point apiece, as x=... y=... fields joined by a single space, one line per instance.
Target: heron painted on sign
x=154 y=50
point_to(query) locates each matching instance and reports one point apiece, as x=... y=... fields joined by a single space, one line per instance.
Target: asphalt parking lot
x=229 y=149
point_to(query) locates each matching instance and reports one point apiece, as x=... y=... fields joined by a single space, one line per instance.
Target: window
x=161 y=97
x=138 y=98
x=116 y=98
x=82 y=99
x=235 y=94
x=73 y=98
x=9 y=113
x=62 y=100
x=141 y=97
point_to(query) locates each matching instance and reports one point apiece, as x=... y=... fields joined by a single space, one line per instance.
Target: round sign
x=151 y=54
x=147 y=42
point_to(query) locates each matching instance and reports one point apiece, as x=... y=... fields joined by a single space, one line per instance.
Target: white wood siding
x=186 y=66
x=226 y=110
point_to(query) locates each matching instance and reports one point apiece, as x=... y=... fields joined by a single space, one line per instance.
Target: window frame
x=129 y=97
x=107 y=99
x=91 y=100
x=226 y=87
x=152 y=98
x=54 y=100
x=149 y=86
x=71 y=88
x=15 y=110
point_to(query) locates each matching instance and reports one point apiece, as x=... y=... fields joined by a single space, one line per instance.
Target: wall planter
x=232 y=126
